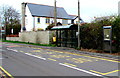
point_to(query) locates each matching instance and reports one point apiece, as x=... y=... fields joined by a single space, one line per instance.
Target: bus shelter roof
x=64 y=27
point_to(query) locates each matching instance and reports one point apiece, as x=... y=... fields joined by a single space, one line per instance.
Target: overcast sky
x=88 y=8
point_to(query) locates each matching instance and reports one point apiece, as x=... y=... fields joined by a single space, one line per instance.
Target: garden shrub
x=116 y=32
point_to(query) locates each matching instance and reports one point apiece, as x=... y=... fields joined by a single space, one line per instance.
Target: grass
x=100 y=51
x=49 y=45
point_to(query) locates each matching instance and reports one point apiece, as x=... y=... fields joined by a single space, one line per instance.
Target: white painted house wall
x=42 y=23
x=31 y=22
x=28 y=20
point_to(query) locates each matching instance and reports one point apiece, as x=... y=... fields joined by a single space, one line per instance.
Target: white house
x=36 y=16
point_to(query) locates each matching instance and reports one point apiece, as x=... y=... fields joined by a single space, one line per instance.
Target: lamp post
x=79 y=41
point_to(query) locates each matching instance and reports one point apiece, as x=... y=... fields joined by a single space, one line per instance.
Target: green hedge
x=116 y=32
x=92 y=33
x=91 y=36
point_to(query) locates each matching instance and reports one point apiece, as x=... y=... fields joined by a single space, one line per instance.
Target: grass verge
x=49 y=45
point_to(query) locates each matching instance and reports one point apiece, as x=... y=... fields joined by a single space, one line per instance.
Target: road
x=19 y=60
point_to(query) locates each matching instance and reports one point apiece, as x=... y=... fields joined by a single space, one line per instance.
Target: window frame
x=47 y=20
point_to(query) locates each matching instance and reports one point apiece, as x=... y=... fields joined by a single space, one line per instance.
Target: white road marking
x=35 y=56
x=12 y=50
x=8 y=49
x=80 y=69
x=15 y=50
x=1 y=58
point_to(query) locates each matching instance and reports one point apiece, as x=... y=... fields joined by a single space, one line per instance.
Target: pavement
x=31 y=60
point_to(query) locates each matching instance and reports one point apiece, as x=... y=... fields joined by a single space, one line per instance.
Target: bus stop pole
x=111 y=40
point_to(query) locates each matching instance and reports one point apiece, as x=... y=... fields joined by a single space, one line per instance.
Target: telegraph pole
x=79 y=41
x=55 y=13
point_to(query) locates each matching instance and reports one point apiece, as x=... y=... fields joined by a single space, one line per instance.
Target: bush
x=116 y=32
x=91 y=36
x=50 y=26
x=40 y=29
x=92 y=33
x=16 y=29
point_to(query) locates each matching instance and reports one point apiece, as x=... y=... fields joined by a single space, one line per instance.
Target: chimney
x=23 y=28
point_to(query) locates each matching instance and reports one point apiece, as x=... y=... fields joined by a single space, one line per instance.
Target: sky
x=88 y=8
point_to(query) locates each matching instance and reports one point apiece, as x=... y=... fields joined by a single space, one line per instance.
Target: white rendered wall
x=28 y=20
x=41 y=24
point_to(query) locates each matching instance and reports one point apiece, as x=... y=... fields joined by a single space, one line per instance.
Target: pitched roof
x=47 y=11
x=73 y=16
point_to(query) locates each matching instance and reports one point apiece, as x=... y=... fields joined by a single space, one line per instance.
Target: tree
x=10 y=19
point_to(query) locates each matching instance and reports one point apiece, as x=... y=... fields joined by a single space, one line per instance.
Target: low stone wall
x=28 y=37
x=41 y=37
x=13 y=38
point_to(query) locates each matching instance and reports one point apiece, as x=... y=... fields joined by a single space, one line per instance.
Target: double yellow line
x=8 y=74
x=105 y=73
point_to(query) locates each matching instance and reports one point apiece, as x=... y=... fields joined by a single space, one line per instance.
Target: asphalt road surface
x=19 y=60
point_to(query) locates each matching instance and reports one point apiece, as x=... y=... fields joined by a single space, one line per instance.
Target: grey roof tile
x=47 y=11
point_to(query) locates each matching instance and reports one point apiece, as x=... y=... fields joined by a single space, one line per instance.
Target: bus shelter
x=66 y=36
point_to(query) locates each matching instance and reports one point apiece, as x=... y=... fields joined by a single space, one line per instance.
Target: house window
x=47 y=20
x=38 y=20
